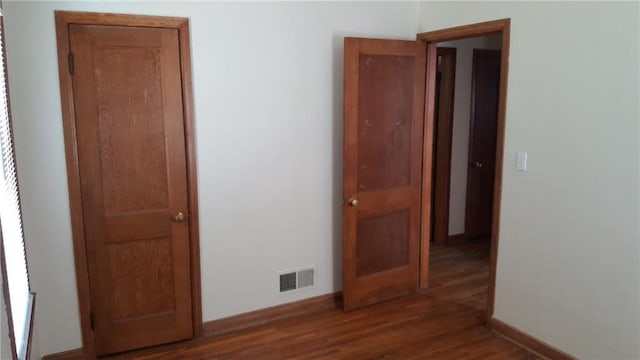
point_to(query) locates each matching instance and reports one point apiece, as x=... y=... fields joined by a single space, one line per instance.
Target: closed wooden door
x=482 y=142
x=131 y=153
x=384 y=84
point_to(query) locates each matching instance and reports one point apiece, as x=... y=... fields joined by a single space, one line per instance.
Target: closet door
x=130 y=135
x=485 y=91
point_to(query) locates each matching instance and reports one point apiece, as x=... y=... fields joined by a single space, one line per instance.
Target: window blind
x=11 y=220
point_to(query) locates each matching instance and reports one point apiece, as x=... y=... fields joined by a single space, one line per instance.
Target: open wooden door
x=384 y=93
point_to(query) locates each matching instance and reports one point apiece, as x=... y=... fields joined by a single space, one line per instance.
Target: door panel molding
x=382 y=168
x=496 y=27
x=63 y=21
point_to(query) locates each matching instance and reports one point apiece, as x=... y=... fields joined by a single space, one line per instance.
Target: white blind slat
x=11 y=220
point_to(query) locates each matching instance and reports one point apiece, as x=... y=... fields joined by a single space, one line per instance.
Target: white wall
x=268 y=108
x=267 y=87
x=569 y=261
x=461 y=123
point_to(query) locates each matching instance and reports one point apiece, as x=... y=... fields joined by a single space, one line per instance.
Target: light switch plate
x=521 y=161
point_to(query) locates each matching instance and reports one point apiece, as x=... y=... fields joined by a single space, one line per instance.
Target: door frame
x=63 y=19
x=431 y=38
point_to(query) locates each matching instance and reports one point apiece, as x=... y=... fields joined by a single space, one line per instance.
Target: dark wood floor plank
x=444 y=322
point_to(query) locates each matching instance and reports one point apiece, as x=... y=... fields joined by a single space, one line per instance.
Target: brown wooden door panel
x=384 y=104
x=132 y=160
x=376 y=203
x=147 y=225
x=482 y=142
x=443 y=131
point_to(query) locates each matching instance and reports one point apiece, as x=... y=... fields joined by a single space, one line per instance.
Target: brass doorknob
x=353 y=202
x=179 y=217
x=477 y=164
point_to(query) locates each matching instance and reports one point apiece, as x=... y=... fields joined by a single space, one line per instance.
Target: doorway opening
x=465 y=109
x=389 y=188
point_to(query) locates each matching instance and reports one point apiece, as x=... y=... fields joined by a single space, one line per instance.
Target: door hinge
x=71 y=64
x=91 y=321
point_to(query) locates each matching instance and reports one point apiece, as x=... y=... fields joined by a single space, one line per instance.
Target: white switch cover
x=521 y=161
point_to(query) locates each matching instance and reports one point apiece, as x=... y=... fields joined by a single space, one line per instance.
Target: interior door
x=482 y=142
x=384 y=93
x=443 y=130
x=132 y=160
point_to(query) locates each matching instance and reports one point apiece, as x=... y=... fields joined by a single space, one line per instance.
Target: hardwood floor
x=444 y=322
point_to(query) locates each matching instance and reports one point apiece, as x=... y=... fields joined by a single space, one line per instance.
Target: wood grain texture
x=443 y=129
x=383 y=110
x=132 y=164
x=497 y=187
x=427 y=163
x=276 y=313
x=94 y=18
x=146 y=225
x=192 y=173
x=181 y=26
x=75 y=354
x=526 y=341
x=384 y=123
x=444 y=322
x=457 y=238
x=132 y=151
x=142 y=280
x=383 y=243
x=465 y=31
x=124 y=100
